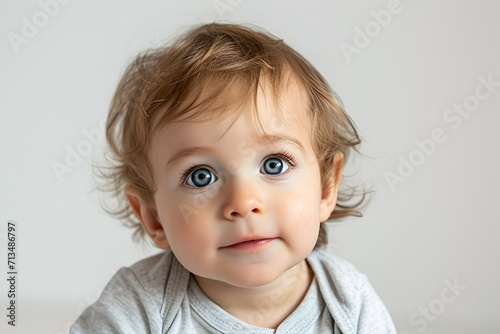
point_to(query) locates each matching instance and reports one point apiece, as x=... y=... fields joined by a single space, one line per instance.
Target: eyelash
x=287 y=156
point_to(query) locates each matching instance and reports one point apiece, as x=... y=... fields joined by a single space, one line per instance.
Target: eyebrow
x=262 y=140
x=274 y=139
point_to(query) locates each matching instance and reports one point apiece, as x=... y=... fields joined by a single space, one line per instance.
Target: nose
x=243 y=199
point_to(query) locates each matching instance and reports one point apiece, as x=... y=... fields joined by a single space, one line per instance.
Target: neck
x=264 y=306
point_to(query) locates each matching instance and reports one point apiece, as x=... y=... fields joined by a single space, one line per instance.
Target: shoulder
x=340 y=272
x=151 y=273
x=350 y=298
x=145 y=278
x=338 y=277
x=334 y=264
x=133 y=300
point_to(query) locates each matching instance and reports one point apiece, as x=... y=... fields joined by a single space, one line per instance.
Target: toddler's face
x=236 y=208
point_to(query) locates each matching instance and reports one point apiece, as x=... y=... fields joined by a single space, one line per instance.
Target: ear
x=148 y=218
x=330 y=192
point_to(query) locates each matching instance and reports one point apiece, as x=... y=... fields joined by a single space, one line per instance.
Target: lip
x=250 y=244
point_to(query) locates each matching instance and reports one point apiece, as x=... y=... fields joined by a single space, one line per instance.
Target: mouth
x=249 y=245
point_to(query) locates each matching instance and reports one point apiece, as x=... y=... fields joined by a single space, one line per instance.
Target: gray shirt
x=158 y=295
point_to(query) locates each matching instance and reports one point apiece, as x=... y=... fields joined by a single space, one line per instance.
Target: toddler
x=228 y=148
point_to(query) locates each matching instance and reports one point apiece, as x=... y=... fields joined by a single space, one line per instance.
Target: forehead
x=284 y=111
x=266 y=118
x=275 y=104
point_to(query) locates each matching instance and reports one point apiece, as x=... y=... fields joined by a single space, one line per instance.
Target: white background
x=440 y=224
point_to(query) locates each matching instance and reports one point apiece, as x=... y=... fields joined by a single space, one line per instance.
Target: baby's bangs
x=211 y=99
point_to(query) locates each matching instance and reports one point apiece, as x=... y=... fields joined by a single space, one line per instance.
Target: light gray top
x=158 y=295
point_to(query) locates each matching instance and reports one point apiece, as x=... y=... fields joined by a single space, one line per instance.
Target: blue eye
x=200 y=178
x=275 y=166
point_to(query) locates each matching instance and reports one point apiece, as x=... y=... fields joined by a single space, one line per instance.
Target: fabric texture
x=158 y=295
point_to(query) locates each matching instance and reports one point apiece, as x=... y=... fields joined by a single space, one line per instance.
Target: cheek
x=190 y=240
x=186 y=227
x=303 y=215
x=184 y=220
x=182 y=207
x=308 y=223
x=304 y=208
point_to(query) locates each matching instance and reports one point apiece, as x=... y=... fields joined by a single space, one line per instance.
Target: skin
x=264 y=284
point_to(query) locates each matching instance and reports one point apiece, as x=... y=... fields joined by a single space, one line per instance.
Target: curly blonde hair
x=164 y=84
